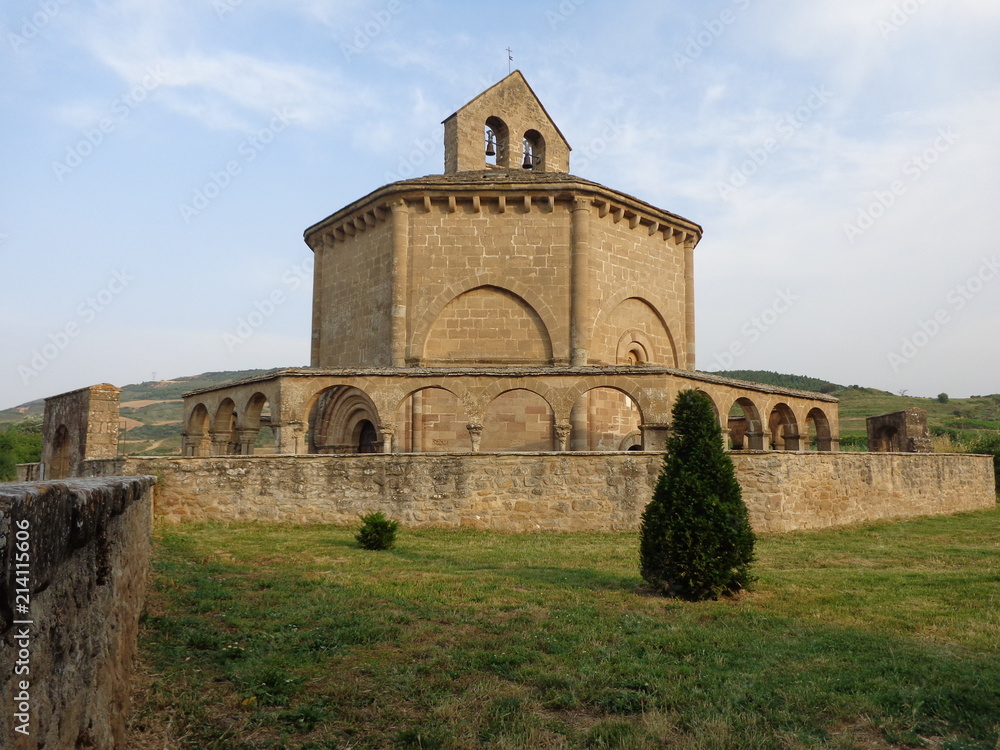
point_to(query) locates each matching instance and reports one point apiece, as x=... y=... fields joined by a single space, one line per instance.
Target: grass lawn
x=262 y=636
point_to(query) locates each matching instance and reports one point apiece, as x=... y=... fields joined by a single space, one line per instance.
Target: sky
x=160 y=160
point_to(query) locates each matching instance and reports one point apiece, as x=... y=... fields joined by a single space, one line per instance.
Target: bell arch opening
x=533 y=151
x=497 y=142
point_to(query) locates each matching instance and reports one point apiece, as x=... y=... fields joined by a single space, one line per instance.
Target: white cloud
x=223 y=89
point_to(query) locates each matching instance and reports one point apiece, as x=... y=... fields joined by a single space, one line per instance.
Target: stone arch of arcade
x=433 y=418
x=229 y=420
x=344 y=419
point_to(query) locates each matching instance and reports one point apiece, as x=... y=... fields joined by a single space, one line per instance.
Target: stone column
x=563 y=431
x=689 y=241
x=388 y=439
x=319 y=250
x=792 y=442
x=579 y=304
x=417 y=422
x=579 y=419
x=400 y=280
x=725 y=438
x=476 y=435
x=291 y=437
x=247 y=440
x=220 y=443
x=654 y=436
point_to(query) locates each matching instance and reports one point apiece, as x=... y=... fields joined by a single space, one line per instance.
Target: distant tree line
x=20 y=443
x=798 y=382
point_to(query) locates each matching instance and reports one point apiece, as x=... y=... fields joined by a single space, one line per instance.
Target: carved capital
x=475 y=435
x=563 y=432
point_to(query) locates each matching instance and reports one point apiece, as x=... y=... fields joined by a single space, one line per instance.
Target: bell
x=526 y=164
x=490 y=148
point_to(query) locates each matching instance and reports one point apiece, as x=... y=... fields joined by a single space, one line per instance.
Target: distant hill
x=800 y=382
x=152 y=410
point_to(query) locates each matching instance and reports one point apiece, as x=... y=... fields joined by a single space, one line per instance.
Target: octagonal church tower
x=505 y=259
x=505 y=305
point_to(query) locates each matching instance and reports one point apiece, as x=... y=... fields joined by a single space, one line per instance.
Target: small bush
x=377 y=532
x=943 y=398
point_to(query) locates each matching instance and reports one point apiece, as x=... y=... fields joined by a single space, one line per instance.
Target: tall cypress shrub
x=696 y=538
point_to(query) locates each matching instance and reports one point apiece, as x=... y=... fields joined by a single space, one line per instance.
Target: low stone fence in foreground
x=75 y=556
x=569 y=491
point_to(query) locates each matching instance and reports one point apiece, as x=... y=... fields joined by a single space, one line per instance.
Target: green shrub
x=696 y=537
x=377 y=532
x=943 y=398
x=20 y=443
x=989 y=444
x=854 y=443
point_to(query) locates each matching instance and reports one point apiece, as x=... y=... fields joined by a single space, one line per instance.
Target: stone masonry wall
x=569 y=491
x=79 y=425
x=85 y=544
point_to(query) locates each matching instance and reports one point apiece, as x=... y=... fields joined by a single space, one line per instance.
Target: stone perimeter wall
x=572 y=491
x=89 y=547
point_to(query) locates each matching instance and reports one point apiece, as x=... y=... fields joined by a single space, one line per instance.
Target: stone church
x=500 y=347
x=505 y=305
